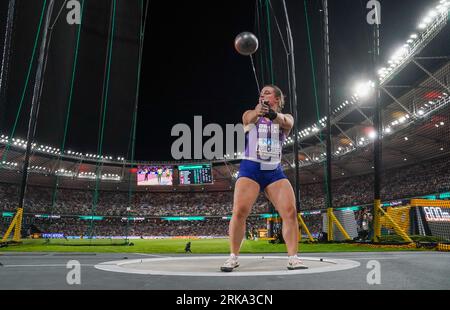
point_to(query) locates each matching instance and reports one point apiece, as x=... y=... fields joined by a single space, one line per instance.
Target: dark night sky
x=189 y=66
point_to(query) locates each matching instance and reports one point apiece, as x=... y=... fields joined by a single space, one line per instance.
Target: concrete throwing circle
x=209 y=266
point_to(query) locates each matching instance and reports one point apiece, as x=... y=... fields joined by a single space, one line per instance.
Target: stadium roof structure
x=416 y=127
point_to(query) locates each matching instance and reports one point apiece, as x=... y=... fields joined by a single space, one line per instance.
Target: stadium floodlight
x=388 y=130
x=414 y=36
x=400 y=53
x=372 y=134
x=422 y=26
x=406 y=138
x=432 y=13
x=363 y=89
x=427 y=20
x=441 y=8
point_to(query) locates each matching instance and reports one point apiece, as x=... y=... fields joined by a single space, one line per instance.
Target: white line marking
x=54 y=265
x=152 y=255
x=120 y=266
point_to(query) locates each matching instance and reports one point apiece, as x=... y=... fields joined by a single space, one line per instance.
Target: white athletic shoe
x=295 y=263
x=230 y=264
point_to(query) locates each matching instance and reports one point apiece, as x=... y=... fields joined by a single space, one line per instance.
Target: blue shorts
x=252 y=170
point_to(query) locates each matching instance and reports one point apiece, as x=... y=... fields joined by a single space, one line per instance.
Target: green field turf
x=205 y=246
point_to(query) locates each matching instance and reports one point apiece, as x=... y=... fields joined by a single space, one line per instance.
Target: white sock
x=293 y=257
x=234 y=256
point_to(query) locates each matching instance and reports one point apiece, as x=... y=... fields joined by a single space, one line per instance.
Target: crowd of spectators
x=79 y=202
x=425 y=178
x=314 y=224
x=415 y=180
x=74 y=226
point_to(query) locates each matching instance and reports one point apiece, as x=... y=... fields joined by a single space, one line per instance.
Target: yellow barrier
x=303 y=225
x=333 y=220
x=381 y=214
x=16 y=224
x=443 y=247
x=430 y=203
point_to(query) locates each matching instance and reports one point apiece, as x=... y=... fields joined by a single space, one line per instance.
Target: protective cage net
x=414 y=97
x=414 y=155
x=76 y=196
x=89 y=86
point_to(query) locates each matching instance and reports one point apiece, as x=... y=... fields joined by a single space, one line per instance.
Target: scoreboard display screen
x=154 y=175
x=195 y=174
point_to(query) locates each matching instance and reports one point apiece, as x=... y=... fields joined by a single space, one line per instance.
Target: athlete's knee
x=240 y=212
x=290 y=214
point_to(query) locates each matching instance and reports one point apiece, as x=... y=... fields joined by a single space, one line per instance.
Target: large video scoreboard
x=195 y=174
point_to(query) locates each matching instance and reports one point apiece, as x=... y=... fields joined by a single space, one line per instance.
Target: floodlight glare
x=372 y=134
x=364 y=89
x=432 y=13
x=400 y=53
